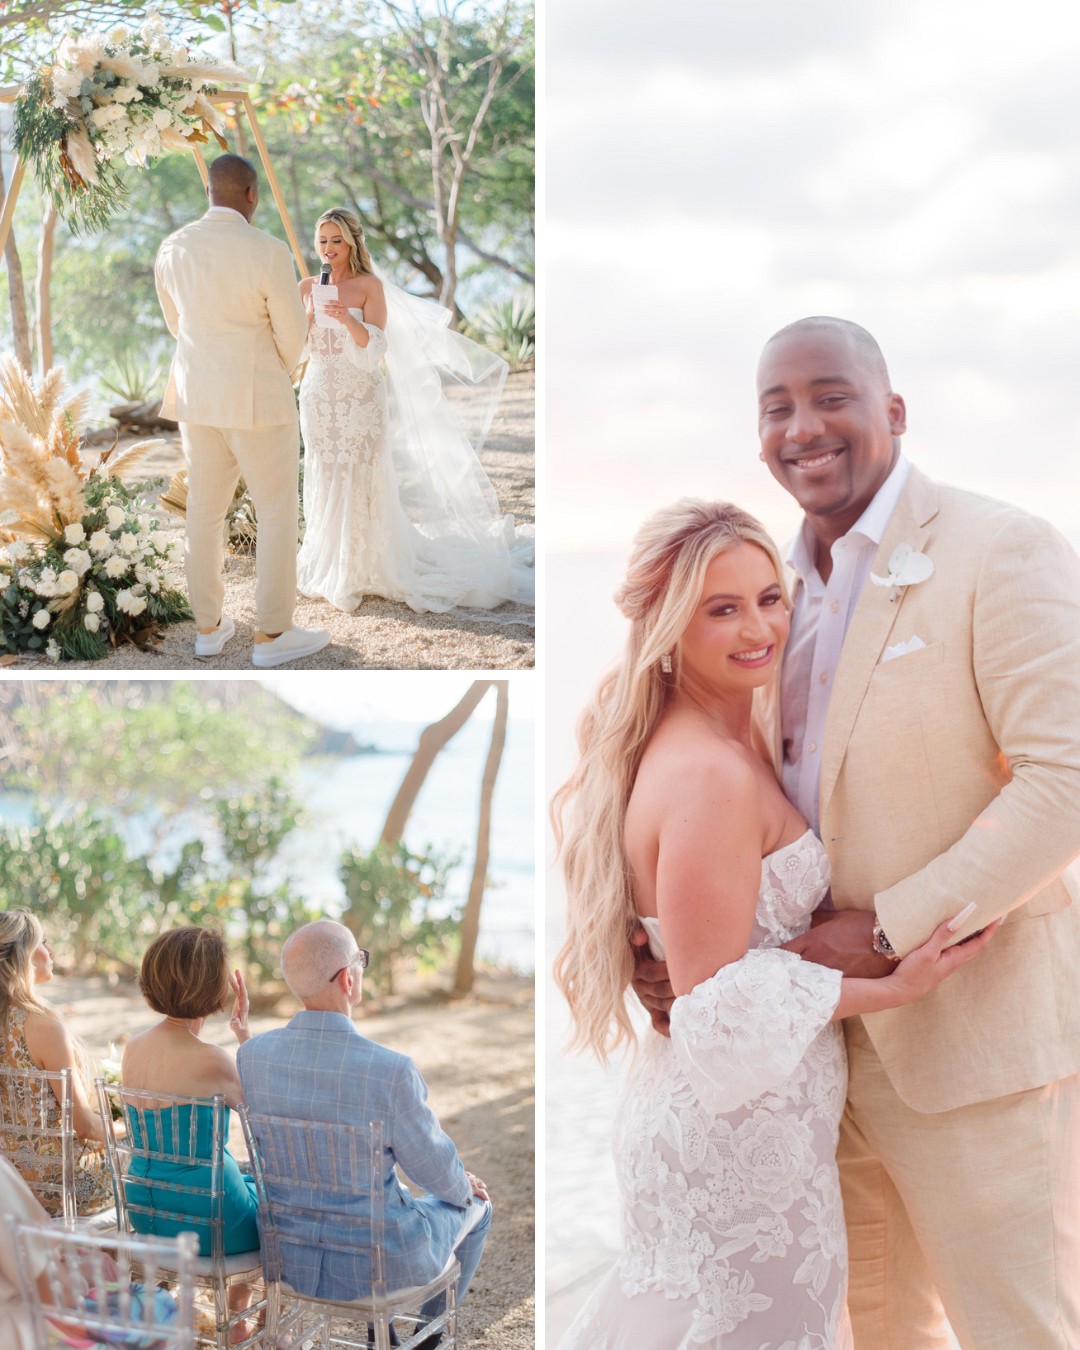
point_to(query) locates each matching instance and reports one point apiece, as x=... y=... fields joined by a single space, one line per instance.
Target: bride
x=725 y=1140
x=396 y=503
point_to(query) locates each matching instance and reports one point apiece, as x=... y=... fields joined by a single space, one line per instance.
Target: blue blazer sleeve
x=424 y=1150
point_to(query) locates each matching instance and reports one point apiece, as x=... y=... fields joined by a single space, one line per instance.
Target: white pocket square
x=913 y=644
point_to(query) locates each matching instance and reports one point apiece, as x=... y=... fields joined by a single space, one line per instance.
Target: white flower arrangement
x=907 y=567
x=123 y=95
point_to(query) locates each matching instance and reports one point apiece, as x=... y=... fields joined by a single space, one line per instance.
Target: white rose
x=115 y=566
x=91 y=622
x=162 y=118
x=101 y=544
x=130 y=603
x=67 y=582
x=128 y=543
x=74 y=533
x=160 y=540
x=95 y=602
x=115 y=517
x=41 y=619
x=78 y=560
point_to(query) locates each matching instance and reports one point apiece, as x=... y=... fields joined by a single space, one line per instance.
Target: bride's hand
x=238 y=1020
x=927 y=966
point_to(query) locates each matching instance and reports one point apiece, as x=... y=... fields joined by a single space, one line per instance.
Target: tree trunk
x=42 y=287
x=20 y=328
x=432 y=740
x=470 y=921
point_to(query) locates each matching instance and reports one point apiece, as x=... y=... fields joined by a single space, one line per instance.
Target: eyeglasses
x=361 y=959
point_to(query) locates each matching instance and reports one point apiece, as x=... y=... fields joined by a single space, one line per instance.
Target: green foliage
x=168 y=747
x=509 y=329
x=391 y=894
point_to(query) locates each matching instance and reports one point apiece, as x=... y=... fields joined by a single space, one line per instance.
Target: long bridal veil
x=452 y=546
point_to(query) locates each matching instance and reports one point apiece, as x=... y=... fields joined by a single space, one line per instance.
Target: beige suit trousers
x=269 y=460
x=981 y=1202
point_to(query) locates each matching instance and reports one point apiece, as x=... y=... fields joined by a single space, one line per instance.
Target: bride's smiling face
x=333 y=246
x=740 y=625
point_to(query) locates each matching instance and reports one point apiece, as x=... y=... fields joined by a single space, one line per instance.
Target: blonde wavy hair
x=662 y=589
x=348 y=222
x=20 y=933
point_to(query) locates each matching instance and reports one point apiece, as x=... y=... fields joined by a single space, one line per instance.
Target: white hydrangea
x=18 y=550
x=41 y=619
x=95 y=602
x=74 y=533
x=116 y=566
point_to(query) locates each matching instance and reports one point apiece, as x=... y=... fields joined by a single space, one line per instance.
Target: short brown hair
x=185 y=973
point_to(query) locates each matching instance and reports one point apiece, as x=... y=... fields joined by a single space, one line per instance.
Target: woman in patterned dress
x=34 y=1037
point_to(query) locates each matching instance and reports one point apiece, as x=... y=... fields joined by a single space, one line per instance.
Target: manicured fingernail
x=957 y=920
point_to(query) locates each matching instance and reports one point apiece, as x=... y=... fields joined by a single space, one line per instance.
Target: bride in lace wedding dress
x=396 y=502
x=725 y=1141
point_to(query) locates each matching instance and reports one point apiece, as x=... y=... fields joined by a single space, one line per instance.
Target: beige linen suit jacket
x=229 y=296
x=952 y=773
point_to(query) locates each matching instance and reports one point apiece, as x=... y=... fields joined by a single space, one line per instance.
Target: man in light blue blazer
x=320 y=1068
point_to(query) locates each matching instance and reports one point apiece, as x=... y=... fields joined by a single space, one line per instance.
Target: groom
x=229 y=296
x=929 y=730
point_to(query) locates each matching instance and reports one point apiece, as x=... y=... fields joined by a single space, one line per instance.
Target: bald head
x=312 y=956
x=863 y=342
x=234 y=182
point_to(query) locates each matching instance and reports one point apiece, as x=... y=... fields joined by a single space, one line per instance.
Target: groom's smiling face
x=829 y=424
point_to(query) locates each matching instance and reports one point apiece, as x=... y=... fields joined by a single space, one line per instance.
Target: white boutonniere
x=907 y=567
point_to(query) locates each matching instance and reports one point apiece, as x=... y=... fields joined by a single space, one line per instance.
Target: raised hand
x=238 y=1020
x=927 y=966
x=844 y=941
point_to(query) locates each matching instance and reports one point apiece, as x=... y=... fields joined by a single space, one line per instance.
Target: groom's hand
x=844 y=940
x=651 y=984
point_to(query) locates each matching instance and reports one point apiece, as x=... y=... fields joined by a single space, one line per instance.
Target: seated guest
x=320 y=1068
x=34 y=1037
x=17 y=1199
x=185 y=977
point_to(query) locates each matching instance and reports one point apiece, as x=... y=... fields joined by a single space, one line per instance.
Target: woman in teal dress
x=185 y=976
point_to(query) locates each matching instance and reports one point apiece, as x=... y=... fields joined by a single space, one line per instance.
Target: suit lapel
x=873 y=620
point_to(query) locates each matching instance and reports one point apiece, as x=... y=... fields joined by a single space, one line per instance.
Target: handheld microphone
x=324 y=275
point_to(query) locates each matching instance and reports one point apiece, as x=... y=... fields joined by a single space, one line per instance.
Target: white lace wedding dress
x=725 y=1150
x=396 y=502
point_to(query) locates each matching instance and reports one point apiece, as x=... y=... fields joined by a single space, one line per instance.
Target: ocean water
x=346 y=801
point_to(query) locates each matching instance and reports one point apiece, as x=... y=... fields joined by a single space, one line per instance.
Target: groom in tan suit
x=929 y=730
x=229 y=296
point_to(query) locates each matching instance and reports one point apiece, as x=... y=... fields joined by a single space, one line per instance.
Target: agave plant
x=134 y=376
x=509 y=329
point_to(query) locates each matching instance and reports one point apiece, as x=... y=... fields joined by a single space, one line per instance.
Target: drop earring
x=665 y=663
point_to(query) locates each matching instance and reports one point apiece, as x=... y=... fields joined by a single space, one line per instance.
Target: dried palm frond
x=32 y=518
x=112 y=462
x=175 y=498
x=49 y=390
x=19 y=400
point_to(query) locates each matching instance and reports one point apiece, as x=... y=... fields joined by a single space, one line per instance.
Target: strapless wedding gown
x=725 y=1150
x=396 y=503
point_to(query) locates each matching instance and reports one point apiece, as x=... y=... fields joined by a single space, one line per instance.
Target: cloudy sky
x=717 y=168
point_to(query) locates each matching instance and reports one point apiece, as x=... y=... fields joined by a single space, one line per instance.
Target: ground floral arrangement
x=81 y=566
x=120 y=96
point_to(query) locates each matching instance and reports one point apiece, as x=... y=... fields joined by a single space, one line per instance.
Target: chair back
x=320 y=1190
x=37 y=1133
x=179 y=1143
x=86 y=1287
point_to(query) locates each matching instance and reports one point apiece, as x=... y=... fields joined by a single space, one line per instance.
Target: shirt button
x=835 y=607
x=812 y=746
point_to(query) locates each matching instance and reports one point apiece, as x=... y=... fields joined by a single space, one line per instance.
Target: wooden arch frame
x=237 y=98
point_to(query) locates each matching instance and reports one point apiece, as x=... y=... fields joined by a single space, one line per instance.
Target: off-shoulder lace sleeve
x=367 y=358
x=745 y=1030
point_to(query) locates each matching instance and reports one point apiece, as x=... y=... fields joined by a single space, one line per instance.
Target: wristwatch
x=882 y=945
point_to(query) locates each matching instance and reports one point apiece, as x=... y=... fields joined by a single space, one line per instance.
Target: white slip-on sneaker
x=290 y=646
x=210 y=644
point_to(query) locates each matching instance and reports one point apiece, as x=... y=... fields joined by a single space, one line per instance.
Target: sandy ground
x=476 y=1054
x=382 y=634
